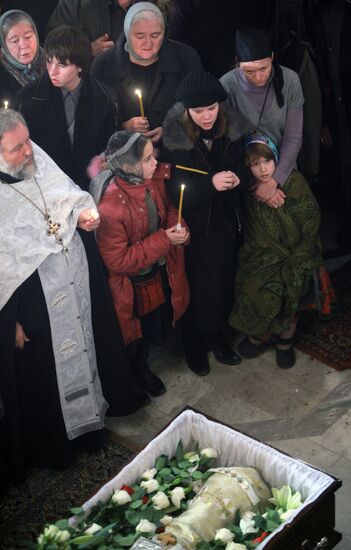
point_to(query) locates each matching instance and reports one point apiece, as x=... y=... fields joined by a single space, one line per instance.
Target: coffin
x=311 y=527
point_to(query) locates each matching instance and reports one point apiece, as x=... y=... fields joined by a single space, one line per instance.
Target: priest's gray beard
x=24 y=171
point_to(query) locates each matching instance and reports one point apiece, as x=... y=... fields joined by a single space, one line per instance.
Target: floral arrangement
x=146 y=507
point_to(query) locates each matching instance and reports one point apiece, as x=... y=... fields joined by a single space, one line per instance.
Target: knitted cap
x=252 y=44
x=200 y=89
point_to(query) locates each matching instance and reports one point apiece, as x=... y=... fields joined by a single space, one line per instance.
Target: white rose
x=224 y=535
x=160 y=501
x=166 y=520
x=51 y=531
x=63 y=536
x=121 y=497
x=247 y=524
x=192 y=457
x=145 y=526
x=149 y=474
x=209 y=452
x=94 y=527
x=177 y=496
x=235 y=546
x=149 y=486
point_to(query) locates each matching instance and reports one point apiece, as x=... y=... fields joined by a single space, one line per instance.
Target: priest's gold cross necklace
x=52 y=227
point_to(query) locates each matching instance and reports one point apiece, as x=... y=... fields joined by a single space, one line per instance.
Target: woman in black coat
x=144 y=59
x=68 y=112
x=200 y=134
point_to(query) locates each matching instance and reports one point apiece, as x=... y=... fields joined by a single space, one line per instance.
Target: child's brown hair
x=255 y=150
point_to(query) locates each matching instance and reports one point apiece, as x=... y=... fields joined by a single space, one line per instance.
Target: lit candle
x=6 y=104
x=180 y=207
x=140 y=98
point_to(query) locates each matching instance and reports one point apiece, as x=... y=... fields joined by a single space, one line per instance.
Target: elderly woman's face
x=257 y=72
x=22 y=42
x=146 y=38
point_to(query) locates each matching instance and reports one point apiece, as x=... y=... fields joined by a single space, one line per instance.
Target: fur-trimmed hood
x=176 y=138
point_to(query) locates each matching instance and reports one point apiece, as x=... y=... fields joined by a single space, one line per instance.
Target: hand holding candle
x=141 y=105
x=180 y=207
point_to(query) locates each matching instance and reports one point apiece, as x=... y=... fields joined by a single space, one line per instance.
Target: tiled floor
x=305 y=411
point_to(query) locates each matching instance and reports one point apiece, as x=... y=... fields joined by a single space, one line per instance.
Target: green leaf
x=83 y=539
x=176 y=471
x=62 y=524
x=138 y=493
x=136 y=504
x=197 y=475
x=165 y=472
x=184 y=464
x=127 y=540
x=161 y=462
x=179 y=454
x=77 y=511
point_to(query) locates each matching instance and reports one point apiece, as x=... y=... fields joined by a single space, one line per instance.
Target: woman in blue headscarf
x=21 y=58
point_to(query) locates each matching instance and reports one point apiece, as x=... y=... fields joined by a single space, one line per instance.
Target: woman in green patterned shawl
x=279 y=259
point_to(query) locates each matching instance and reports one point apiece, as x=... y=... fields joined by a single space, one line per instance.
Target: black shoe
x=285 y=358
x=222 y=352
x=198 y=362
x=249 y=350
x=149 y=382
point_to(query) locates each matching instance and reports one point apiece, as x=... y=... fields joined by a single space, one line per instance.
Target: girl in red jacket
x=142 y=249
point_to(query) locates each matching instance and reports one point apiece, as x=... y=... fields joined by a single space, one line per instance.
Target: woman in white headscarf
x=143 y=59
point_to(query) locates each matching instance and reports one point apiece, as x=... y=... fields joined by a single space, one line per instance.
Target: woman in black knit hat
x=199 y=133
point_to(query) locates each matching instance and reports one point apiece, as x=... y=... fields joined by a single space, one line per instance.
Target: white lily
x=63 y=536
x=247 y=524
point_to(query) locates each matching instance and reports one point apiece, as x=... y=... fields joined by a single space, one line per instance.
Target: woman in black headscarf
x=21 y=58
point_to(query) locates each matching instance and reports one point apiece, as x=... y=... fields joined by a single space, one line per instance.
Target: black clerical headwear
x=252 y=44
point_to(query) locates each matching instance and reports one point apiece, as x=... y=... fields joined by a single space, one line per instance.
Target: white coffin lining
x=235 y=449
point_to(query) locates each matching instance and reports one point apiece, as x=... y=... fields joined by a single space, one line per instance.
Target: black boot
x=195 y=351
x=221 y=350
x=148 y=380
x=143 y=375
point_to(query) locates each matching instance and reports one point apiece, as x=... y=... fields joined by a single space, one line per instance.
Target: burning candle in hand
x=180 y=207
x=141 y=105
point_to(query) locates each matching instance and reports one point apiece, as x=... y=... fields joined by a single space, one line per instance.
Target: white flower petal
x=160 y=500
x=94 y=527
x=121 y=497
x=224 y=535
x=209 y=452
x=145 y=526
x=150 y=486
x=149 y=474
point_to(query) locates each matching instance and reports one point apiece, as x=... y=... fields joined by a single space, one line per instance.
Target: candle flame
x=138 y=93
x=6 y=104
x=182 y=186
